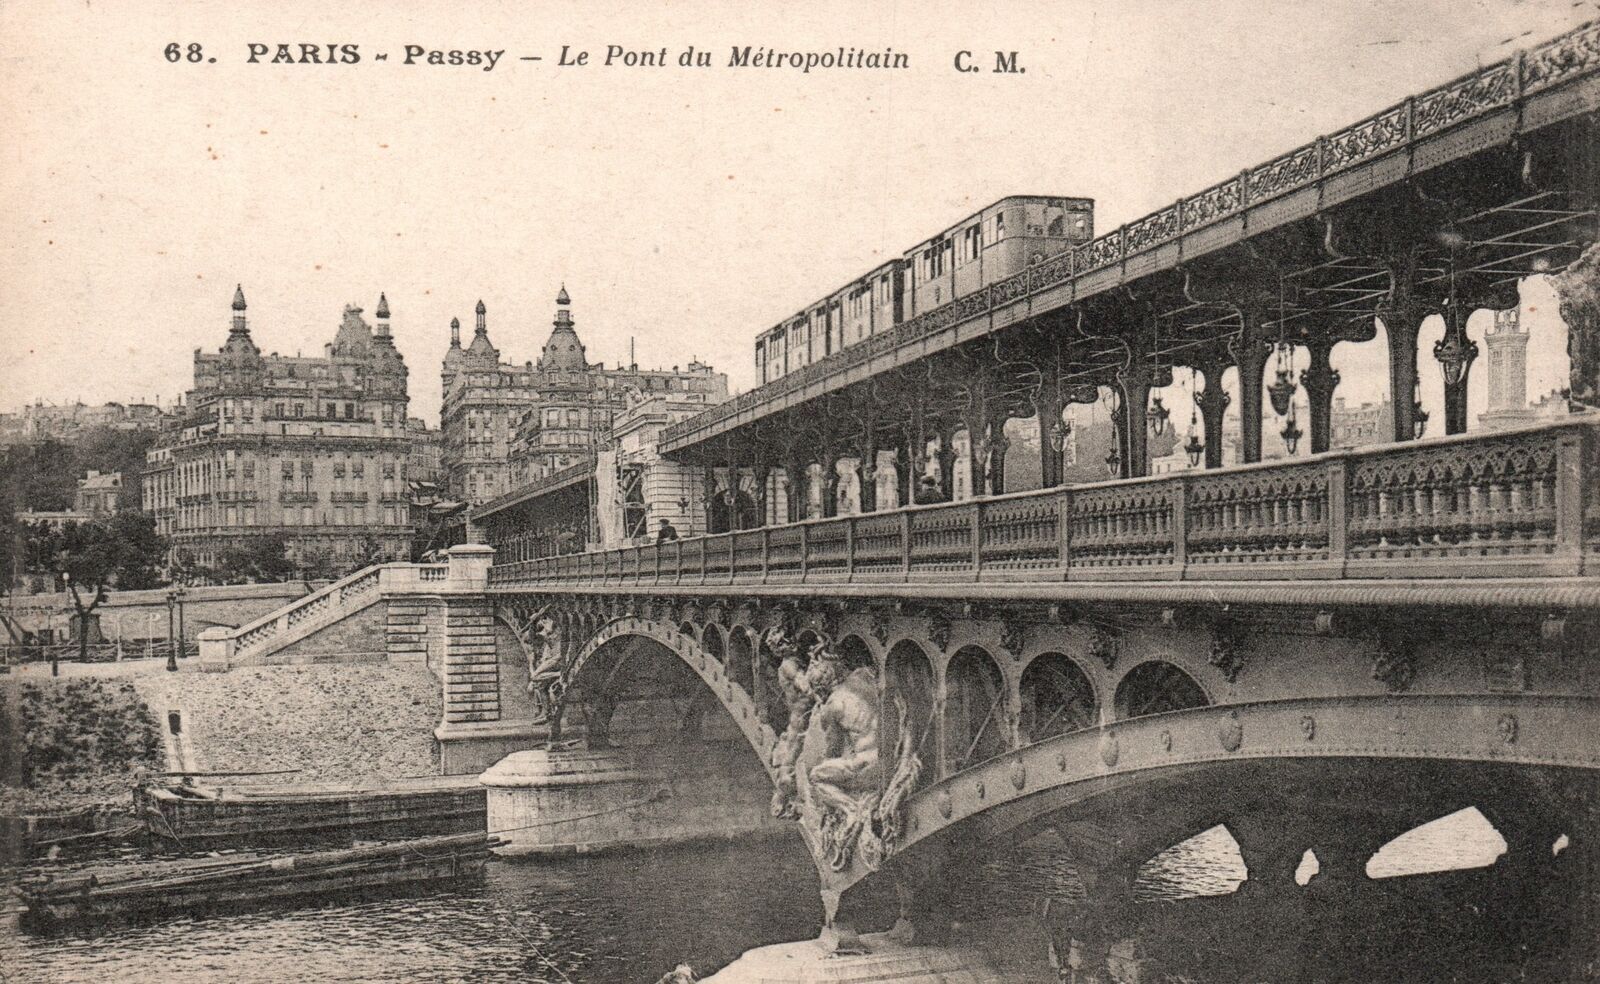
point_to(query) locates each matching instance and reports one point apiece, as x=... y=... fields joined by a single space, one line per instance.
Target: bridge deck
x=1476 y=510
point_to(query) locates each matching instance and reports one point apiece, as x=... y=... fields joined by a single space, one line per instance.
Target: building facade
x=158 y=488
x=98 y=494
x=506 y=427
x=313 y=449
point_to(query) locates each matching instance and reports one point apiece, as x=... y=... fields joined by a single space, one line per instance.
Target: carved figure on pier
x=545 y=660
x=798 y=697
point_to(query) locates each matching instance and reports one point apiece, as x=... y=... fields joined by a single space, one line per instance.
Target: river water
x=624 y=918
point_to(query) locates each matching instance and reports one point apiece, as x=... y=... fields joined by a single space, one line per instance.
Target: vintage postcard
x=1083 y=491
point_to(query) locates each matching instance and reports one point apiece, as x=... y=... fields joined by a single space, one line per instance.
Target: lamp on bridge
x=1059 y=432
x=1158 y=416
x=1282 y=391
x=1195 y=447
x=1113 y=404
x=1291 y=433
x=1455 y=351
x=174 y=600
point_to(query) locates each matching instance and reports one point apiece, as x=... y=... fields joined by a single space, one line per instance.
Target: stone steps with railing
x=269 y=635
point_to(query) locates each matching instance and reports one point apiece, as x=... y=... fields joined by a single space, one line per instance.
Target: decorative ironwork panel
x=1561 y=59
x=1021 y=533
x=1212 y=204
x=1099 y=252
x=1055 y=270
x=1122 y=527
x=1371 y=136
x=1489 y=89
x=1152 y=230
x=1258 y=517
x=1486 y=498
x=1286 y=173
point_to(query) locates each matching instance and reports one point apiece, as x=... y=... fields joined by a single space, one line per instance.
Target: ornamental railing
x=1488 y=90
x=1517 y=503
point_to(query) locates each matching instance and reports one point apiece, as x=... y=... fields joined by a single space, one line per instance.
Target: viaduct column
x=998 y=444
x=905 y=476
x=947 y=460
x=1320 y=379
x=1047 y=407
x=1134 y=381
x=1213 y=402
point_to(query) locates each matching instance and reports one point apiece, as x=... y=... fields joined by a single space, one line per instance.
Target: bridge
x=1319 y=653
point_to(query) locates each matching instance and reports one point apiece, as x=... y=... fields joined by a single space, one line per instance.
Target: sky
x=686 y=209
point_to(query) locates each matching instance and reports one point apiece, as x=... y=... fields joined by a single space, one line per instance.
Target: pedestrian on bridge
x=666 y=532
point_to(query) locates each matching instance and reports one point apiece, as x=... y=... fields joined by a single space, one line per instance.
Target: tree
x=259 y=559
x=87 y=558
x=140 y=550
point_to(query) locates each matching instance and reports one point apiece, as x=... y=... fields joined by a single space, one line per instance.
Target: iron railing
x=1517 y=503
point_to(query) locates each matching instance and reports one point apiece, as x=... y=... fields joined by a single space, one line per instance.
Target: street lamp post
x=172 y=652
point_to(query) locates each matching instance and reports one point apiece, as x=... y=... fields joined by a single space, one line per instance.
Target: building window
x=357 y=469
x=349 y=411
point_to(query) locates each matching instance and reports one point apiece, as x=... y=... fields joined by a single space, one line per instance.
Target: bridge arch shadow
x=670 y=675
x=1157 y=687
x=1057 y=698
x=976 y=715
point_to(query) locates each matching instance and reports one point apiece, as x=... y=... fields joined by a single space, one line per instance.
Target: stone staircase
x=309 y=628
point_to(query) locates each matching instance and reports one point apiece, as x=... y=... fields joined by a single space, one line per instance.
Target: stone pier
x=579 y=800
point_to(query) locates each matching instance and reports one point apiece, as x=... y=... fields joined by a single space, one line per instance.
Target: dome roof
x=563 y=352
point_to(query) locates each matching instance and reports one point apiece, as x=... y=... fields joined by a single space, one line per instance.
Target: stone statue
x=835 y=724
x=797 y=696
x=853 y=803
x=544 y=663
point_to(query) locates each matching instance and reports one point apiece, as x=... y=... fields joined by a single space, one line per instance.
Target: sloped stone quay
x=330 y=723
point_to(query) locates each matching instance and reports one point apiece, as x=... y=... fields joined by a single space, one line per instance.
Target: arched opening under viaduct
x=975 y=713
x=1056 y=698
x=1157 y=687
x=909 y=683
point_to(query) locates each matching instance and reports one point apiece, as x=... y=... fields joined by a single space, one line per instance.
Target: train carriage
x=986 y=246
x=991 y=245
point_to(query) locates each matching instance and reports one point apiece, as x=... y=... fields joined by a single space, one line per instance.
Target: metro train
x=984 y=247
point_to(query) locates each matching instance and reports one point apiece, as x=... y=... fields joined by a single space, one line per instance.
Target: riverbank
x=70 y=743
x=80 y=740
x=330 y=723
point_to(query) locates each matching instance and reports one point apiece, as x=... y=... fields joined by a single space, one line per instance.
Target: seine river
x=624 y=918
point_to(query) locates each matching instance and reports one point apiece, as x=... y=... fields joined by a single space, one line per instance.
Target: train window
x=999 y=226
